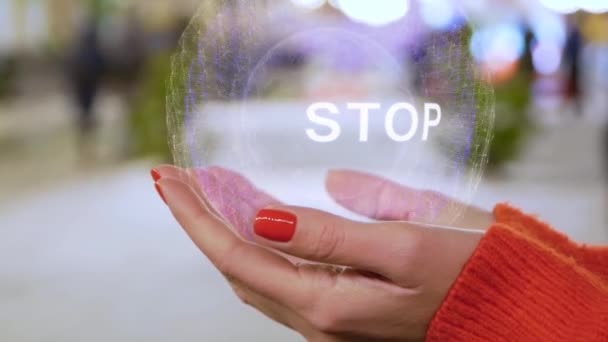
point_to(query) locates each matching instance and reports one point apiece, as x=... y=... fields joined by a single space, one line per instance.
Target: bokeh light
x=310 y=4
x=548 y=27
x=498 y=45
x=438 y=14
x=546 y=58
x=376 y=13
x=571 y=6
x=594 y=6
x=561 y=6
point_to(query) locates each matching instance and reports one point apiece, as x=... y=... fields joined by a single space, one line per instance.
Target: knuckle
x=431 y=202
x=329 y=241
x=326 y=320
x=229 y=260
x=321 y=312
x=383 y=208
x=409 y=249
x=241 y=294
x=201 y=217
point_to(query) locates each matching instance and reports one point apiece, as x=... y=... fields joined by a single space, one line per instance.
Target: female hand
x=369 y=281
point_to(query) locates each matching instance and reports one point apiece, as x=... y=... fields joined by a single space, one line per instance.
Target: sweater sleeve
x=593 y=258
x=517 y=287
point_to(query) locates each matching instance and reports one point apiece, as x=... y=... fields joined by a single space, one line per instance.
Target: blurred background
x=88 y=252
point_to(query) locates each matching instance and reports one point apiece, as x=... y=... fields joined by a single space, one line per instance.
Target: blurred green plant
x=7 y=74
x=102 y=8
x=511 y=124
x=502 y=114
x=148 y=128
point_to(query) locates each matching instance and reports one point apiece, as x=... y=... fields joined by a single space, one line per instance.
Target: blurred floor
x=100 y=259
x=89 y=252
x=38 y=141
x=94 y=255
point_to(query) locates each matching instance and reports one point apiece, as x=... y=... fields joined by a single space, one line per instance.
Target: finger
x=227 y=194
x=382 y=199
x=244 y=188
x=261 y=270
x=185 y=175
x=193 y=177
x=379 y=198
x=355 y=302
x=236 y=198
x=319 y=236
x=270 y=309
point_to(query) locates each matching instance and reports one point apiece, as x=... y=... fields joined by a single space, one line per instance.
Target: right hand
x=397 y=273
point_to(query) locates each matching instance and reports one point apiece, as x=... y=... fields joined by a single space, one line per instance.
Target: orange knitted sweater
x=526 y=282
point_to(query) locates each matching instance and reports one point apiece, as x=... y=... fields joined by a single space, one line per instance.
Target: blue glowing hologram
x=265 y=99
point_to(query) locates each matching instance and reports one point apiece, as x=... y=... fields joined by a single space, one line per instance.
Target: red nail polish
x=160 y=192
x=275 y=225
x=155 y=175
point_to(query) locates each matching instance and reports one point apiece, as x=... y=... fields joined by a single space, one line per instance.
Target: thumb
x=382 y=199
x=322 y=237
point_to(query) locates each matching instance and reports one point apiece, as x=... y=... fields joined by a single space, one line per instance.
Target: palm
x=337 y=280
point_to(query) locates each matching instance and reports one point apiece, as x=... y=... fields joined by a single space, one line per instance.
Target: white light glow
x=6 y=27
x=438 y=14
x=309 y=4
x=375 y=13
x=594 y=6
x=571 y=6
x=561 y=6
x=549 y=27
x=547 y=58
x=499 y=44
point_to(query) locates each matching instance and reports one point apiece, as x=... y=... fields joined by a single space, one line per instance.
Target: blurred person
x=7 y=74
x=506 y=277
x=126 y=62
x=87 y=66
x=127 y=55
x=572 y=56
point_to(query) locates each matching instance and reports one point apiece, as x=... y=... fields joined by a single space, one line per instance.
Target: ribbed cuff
x=515 y=288
x=592 y=258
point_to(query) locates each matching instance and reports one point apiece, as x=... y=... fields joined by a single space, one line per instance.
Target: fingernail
x=155 y=175
x=275 y=225
x=160 y=192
